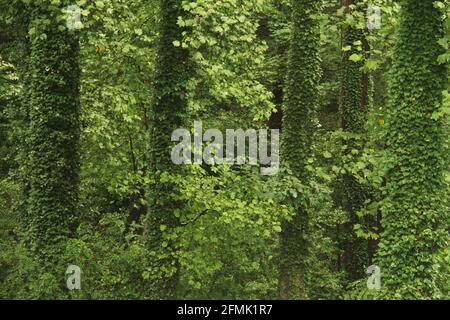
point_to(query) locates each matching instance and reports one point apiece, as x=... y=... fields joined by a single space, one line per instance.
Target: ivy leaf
x=355 y=57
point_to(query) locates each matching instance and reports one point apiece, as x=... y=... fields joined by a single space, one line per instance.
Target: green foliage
x=354 y=105
x=228 y=56
x=228 y=234
x=415 y=211
x=52 y=136
x=299 y=124
x=169 y=110
x=113 y=260
x=141 y=228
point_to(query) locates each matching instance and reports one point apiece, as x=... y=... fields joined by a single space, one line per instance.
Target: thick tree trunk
x=415 y=211
x=53 y=133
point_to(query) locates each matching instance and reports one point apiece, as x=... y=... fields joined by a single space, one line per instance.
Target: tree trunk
x=52 y=135
x=169 y=113
x=415 y=210
x=299 y=124
x=354 y=109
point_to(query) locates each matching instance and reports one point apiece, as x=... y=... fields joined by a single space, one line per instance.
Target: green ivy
x=354 y=109
x=415 y=210
x=169 y=112
x=53 y=131
x=299 y=125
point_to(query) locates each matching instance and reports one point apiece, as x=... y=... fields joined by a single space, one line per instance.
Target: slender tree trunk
x=169 y=113
x=354 y=109
x=19 y=134
x=415 y=211
x=299 y=123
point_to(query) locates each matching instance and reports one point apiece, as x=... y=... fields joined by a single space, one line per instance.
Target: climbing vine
x=168 y=114
x=415 y=211
x=53 y=133
x=299 y=124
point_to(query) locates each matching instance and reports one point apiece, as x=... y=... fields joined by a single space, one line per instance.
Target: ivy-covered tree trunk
x=299 y=123
x=20 y=55
x=14 y=49
x=354 y=109
x=53 y=134
x=169 y=113
x=353 y=104
x=415 y=211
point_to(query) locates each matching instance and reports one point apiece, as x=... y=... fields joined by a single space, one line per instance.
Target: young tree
x=415 y=211
x=53 y=132
x=299 y=123
x=169 y=112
